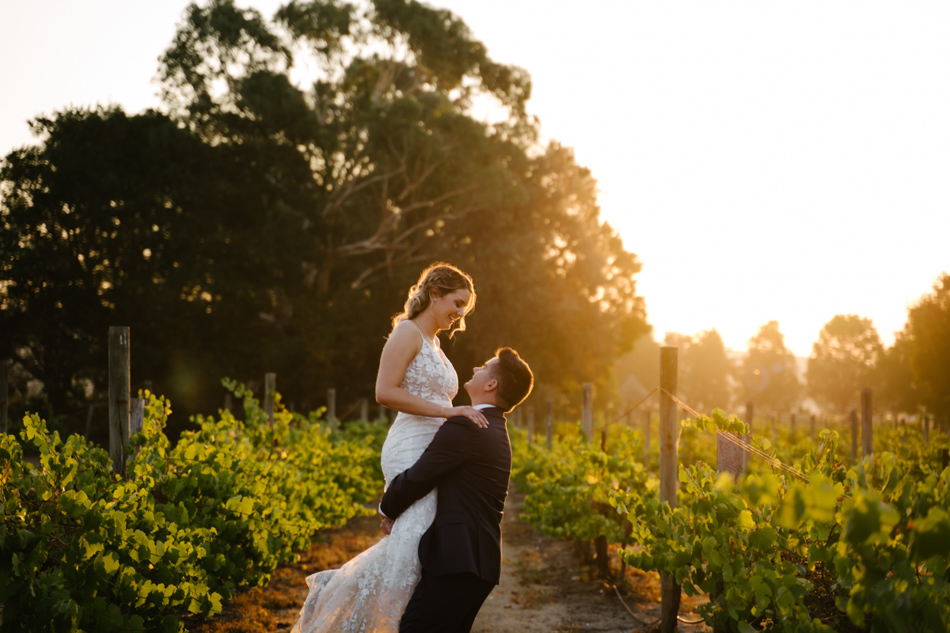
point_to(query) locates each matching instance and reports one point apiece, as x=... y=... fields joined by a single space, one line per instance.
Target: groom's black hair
x=514 y=377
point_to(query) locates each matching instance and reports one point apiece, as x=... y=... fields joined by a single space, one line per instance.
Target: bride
x=370 y=592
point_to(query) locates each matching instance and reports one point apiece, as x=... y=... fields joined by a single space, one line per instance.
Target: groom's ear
x=491 y=385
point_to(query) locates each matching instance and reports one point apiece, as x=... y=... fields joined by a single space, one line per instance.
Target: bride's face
x=449 y=308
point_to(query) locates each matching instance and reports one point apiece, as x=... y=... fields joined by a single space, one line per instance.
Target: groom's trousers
x=445 y=604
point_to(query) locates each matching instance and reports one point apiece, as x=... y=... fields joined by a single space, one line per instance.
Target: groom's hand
x=385 y=524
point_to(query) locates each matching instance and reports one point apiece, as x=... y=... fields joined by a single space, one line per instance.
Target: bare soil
x=544 y=587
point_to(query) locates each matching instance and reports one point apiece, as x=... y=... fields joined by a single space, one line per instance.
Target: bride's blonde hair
x=438 y=279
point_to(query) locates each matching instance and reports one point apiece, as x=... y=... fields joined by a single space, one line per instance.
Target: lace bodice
x=370 y=592
x=431 y=376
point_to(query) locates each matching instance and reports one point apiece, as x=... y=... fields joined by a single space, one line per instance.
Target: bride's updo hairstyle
x=438 y=280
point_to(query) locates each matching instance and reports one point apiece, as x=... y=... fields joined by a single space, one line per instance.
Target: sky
x=764 y=160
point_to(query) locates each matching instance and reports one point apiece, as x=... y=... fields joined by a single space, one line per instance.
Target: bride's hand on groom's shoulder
x=385 y=524
x=471 y=413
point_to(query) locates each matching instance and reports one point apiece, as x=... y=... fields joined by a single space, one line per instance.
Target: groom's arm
x=449 y=449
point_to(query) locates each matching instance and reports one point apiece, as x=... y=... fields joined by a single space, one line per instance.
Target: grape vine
x=856 y=547
x=87 y=549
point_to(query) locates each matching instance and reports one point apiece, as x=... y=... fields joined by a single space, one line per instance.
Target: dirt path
x=544 y=588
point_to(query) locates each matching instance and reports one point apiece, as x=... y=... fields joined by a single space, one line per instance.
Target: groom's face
x=481 y=378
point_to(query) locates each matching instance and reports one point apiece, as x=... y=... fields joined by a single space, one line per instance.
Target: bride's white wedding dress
x=371 y=591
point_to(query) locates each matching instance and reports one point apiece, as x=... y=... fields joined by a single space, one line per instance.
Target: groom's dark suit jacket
x=471 y=467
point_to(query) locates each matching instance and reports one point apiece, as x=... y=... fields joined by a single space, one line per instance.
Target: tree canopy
x=266 y=223
x=769 y=374
x=897 y=390
x=704 y=370
x=843 y=361
x=928 y=334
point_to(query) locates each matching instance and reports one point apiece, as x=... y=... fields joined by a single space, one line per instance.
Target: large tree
x=710 y=371
x=769 y=373
x=122 y=220
x=842 y=361
x=897 y=390
x=267 y=225
x=928 y=328
x=402 y=175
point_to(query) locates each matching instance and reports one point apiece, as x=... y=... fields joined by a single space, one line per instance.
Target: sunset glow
x=764 y=162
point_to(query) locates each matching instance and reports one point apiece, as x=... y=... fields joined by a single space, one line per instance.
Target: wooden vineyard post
x=729 y=457
x=227 y=402
x=867 y=446
x=530 y=425
x=119 y=395
x=668 y=430
x=549 y=428
x=925 y=427
x=270 y=388
x=383 y=417
x=89 y=421
x=669 y=590
x=331 y=408
x=812 y=427
x=587 y=413
x=791 y=425
x=4 y=393
x=646 y=436
x=853 y=415
x=749 y=414
x=601 y=556
x=364 y=409
x=136 y=415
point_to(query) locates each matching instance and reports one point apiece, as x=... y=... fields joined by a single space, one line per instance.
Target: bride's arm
x=401 y=347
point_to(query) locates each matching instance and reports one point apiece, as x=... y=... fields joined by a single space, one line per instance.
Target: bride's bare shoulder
x=400 y=348
x=405 y=334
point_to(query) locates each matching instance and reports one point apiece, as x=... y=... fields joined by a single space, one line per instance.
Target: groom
x=461 y=551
